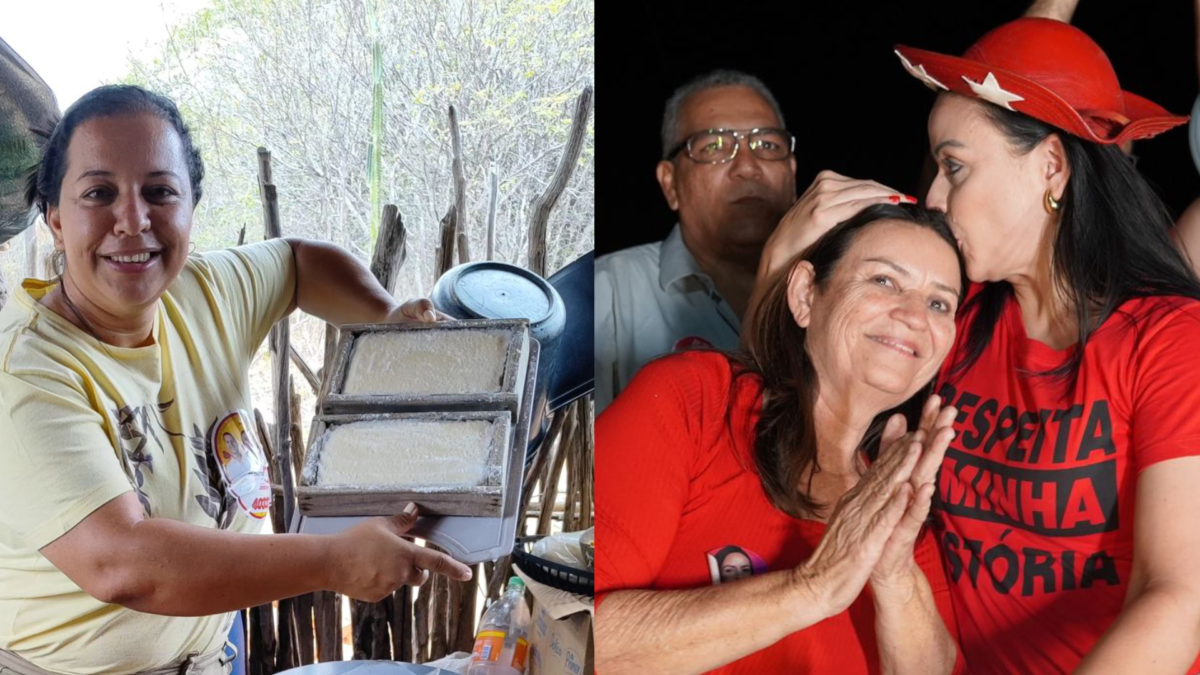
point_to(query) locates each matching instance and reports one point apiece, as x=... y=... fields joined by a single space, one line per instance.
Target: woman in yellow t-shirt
x=131 y=493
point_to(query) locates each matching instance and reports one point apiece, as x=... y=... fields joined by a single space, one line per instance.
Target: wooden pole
x=286 y=648
x=465 y=613
x=261 y=659
x=370 y=629
x=460 y=181
x=261 y=628
x=280 y=339
x=574 y=451
x=304 y=627
x=305 y=370
x=454 y=593
x=550 y=441
x=264 y=178
x=501 y=570
x=280 y=345
x=554 y=467
x=540 y=213
x=389 y=249
x=400 y=617
x=446 y=251
x=297 y=435
x=327 y=608
x=464 y=251
x=360 y=628
x=327 y=605
x=331 y=338
x=579 y=452
x=421 y=621
x=437 y=614
x=534 y=472
x=588 y=491
x=371 y=621
x=287 y=645
x=493 y=198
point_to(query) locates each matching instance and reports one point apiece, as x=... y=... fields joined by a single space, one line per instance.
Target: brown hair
x=785 y=442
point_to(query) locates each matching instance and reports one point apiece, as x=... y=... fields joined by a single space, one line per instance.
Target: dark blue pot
x=496 y=290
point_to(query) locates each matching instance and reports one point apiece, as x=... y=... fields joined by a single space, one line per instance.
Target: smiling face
x=735 y=566
x=992 y=195
x=231 y=446
x=125 y=211
x=882 y=322
x=732 y=207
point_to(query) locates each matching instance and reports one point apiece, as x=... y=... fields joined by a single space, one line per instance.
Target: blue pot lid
x=495 y=290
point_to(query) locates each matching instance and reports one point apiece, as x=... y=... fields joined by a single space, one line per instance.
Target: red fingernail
x=911 y=199
x=895 y=199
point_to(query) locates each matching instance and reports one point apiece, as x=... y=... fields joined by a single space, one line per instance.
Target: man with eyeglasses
x=729 y=173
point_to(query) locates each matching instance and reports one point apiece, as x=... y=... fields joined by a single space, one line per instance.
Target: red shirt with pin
x=677 y=487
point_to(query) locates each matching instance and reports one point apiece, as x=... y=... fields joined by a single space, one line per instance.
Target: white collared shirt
x=650 y=300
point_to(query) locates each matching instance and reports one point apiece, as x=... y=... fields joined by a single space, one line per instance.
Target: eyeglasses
x=717 y=146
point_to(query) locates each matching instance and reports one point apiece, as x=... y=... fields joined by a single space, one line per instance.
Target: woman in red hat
x=1065 y=502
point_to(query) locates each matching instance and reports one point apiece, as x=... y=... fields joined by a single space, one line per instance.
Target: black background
x=844 y=94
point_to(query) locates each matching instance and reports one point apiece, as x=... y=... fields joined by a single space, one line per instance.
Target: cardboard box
x=561 y=630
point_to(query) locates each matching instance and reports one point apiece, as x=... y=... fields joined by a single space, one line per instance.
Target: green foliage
x=351 y=97
x=375 y=150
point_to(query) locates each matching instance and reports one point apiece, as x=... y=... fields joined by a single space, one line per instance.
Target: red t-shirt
x=679 y=503
x=1037 y=490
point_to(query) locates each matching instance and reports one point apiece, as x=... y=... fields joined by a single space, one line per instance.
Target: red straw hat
x=1048 y=70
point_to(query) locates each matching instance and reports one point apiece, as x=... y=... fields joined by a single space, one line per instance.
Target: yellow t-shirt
x=82 y=423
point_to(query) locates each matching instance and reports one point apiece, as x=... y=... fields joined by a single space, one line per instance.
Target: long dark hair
x=785 y=441
x=1112 y=245
x=44 y=181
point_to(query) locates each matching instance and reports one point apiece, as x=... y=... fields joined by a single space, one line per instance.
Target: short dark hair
x=671 y=129
x=724 y=553
x=44 y=184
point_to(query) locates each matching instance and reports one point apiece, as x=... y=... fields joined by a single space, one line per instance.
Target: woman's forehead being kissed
x=909 y=250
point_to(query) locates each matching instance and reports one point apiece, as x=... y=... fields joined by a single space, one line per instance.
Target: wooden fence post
x=540 y=213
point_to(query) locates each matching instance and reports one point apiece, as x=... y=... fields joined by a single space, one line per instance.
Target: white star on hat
x=919 y=73
x=990 y=90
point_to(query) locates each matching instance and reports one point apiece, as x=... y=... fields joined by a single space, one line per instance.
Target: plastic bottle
x=502 y=644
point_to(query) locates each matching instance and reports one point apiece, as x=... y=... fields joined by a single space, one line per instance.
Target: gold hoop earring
x=1052 y=204
x=191 y=247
